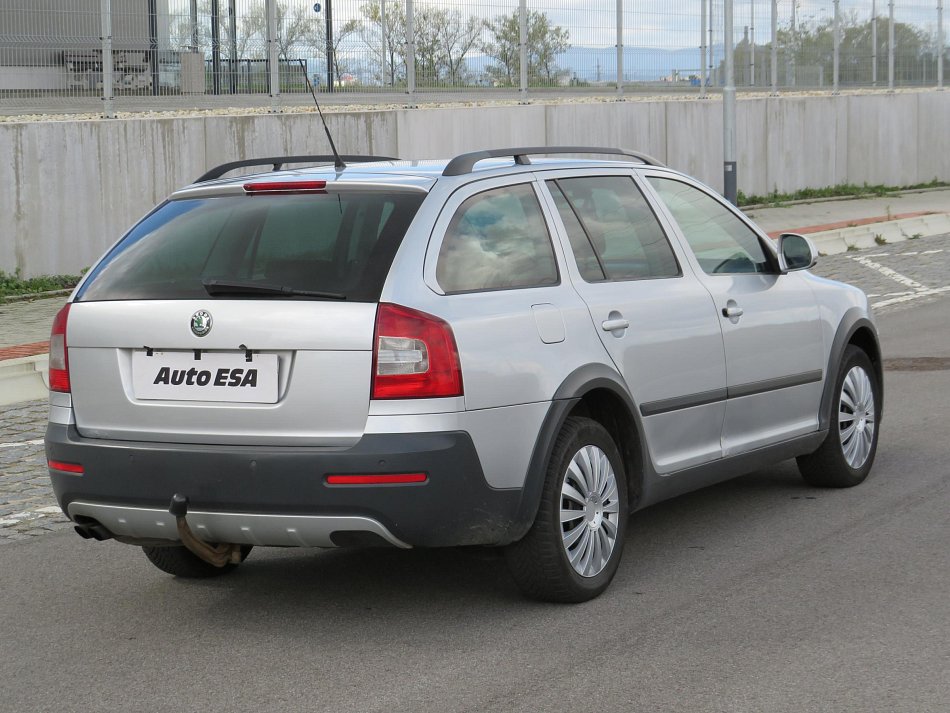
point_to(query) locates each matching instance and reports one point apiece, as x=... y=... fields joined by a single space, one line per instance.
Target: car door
x=655 y=319
x=770 y=323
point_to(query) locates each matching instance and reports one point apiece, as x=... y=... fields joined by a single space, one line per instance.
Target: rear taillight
x=58 y=358
x=414 y=356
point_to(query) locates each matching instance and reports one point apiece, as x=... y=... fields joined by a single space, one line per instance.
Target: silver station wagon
x=491 y=350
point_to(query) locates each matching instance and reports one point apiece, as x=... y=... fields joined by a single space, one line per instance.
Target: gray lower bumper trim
x=239 y=528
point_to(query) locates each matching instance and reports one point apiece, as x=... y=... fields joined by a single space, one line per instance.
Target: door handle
x=732 y=310
x=612 y=325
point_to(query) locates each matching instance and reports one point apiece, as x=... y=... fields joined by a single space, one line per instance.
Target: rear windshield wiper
x=224 y=287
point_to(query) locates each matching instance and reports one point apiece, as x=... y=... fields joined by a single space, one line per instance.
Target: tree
x=371 y=31
x=545 y=43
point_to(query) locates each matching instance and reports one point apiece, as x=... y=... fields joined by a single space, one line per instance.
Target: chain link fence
x=109 y=55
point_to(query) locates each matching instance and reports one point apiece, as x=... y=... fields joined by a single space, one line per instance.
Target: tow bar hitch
x=217 y=555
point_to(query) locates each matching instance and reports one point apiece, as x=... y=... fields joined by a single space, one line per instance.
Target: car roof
x=419 y=175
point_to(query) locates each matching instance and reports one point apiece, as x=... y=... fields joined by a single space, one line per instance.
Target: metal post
x=194 y=26
x=702 y=50
x=752 y=44
x=410 y=54
x=108 y=90
x=382 y=25
x=153 y=44
x=940 y=48
x=330 y=57
x=729 y=182
x=273 y=66
x=232 y=50
x=619 y=50
x=836 y=64
x=774 y=48
x=710 y=44
x=890 y=47
x=791 y=60
x=523 y=50
x=873 y=43
x=215 y=49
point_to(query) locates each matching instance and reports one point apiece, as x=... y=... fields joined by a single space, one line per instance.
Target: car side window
x=722 y=243
x=613 y=232
x=497 y=240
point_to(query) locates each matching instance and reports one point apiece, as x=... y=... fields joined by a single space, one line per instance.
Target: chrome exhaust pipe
x=217 y=555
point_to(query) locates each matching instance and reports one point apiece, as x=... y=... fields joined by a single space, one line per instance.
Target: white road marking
x=878 y=255
x=931 y=252
x=896 y=294
x=888 y=272
x=911 y=296
x=18 y=444
x=911 y=253
x=36 y=514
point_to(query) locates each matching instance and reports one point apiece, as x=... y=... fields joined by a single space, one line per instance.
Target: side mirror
x=795 y=252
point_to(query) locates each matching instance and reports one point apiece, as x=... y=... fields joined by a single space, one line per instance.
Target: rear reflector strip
x=65 y=467
x=377 y=479
x=285 y=187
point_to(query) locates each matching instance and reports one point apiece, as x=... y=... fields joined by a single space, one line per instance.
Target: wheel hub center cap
x=593 y=513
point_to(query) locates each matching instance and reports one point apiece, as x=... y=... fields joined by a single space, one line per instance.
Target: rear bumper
x=279 y=496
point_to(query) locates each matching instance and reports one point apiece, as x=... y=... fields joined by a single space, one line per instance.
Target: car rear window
x=305 y=246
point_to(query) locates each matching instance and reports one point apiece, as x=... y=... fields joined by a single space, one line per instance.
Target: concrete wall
x=69 y=189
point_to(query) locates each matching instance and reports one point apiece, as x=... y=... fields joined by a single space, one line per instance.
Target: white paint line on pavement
x=911 y=253
x=911 y=296
x=18 y=444
x=878 y=255
x=896 y=294
x=932 y=252
x=888 y=272
x=19 y=517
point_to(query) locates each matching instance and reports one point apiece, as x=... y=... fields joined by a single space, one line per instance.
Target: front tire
x=845 y=458
x=573 y=549
x=181 y=562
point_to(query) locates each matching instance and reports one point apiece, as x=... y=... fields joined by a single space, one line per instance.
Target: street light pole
x=730 y=183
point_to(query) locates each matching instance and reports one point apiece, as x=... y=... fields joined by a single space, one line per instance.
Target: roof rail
x=278 y=161
x=464 y=163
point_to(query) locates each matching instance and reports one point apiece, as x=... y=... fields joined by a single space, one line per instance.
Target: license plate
x=216 y=376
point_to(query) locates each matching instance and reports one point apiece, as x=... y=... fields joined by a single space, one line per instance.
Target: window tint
x=341 y=243
x=721 y=242
x=608 y=218
x=497 y=240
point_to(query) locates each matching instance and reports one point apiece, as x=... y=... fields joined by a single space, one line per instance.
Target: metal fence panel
x=174 y=54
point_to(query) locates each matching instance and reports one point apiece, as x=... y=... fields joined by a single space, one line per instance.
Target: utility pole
x=215 y=49
x=410 y=54
x=730 y=183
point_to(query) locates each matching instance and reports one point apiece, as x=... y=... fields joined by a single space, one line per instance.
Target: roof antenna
x=338 y=162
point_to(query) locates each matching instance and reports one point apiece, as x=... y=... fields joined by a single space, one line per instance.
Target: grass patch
x=15 y=285
x=842 y=190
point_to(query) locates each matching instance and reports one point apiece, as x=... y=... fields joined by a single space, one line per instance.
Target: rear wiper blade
x=225 y=287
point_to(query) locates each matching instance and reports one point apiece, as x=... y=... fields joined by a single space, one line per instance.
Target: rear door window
x=340 y=244
x=613 y=232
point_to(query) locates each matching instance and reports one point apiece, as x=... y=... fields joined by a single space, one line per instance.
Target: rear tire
x=845 y=458
x=181 y=562
x=573 y=549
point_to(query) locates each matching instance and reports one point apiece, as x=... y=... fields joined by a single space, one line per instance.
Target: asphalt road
x=760 y=594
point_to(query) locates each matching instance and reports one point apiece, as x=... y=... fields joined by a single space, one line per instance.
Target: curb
x=831 y=242
x=831 y=199
x=37 y=295
x=24 y=379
